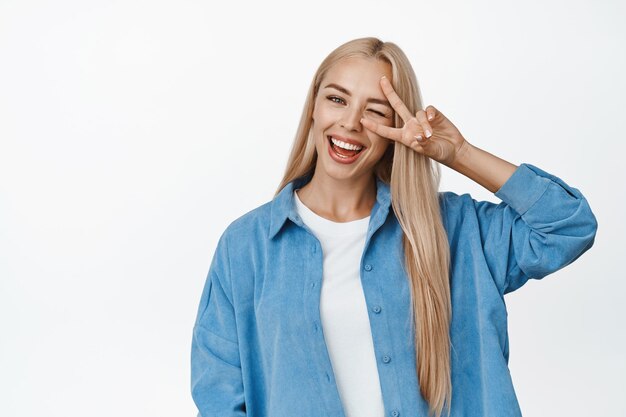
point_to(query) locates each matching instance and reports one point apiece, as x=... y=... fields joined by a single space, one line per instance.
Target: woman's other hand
x=428 y=132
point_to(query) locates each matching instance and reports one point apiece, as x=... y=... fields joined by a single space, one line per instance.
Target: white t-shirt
x=343 y=312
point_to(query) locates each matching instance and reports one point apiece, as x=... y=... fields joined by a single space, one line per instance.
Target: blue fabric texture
x=258 y=347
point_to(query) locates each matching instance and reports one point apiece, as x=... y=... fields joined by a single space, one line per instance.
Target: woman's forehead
x=357 y=74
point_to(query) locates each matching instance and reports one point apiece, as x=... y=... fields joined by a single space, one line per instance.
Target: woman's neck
x=339 y=200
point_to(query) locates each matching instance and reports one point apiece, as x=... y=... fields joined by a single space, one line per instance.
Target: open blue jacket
x=258 y=347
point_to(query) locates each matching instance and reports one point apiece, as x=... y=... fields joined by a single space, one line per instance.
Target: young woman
x=360 y=290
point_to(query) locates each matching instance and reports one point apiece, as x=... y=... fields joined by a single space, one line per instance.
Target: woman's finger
x=431 y=112
x=416 y=145
x=421 y=118
x=395 y=100
x=382 y=130
x=403 y=135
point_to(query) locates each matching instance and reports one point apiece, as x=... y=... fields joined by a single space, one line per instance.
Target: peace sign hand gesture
x=428 y=132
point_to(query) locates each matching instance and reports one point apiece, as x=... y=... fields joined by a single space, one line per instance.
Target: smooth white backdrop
x=133 y=132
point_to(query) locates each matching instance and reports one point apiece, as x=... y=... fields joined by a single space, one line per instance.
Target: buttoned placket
x=329 y=389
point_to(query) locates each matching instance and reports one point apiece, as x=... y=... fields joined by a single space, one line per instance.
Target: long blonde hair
x=414 y=183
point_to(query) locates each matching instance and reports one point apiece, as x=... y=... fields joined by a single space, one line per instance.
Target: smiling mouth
x=343 y=153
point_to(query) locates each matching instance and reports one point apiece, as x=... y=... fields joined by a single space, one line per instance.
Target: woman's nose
x=352 y=120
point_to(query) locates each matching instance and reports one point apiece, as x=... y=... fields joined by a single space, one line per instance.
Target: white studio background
x=133 y=132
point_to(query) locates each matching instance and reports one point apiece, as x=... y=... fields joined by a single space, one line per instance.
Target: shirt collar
x=283 y=204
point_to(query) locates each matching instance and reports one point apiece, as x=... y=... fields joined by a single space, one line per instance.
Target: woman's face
x=349 y=91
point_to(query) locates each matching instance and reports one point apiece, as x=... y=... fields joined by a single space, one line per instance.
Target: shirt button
x=376 y=309
x=312 y=285
x=368 y=267
x=296 y=217
x=395 y=413
x=386 y=358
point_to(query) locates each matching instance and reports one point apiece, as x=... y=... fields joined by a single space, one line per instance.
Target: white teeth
x=345 y=145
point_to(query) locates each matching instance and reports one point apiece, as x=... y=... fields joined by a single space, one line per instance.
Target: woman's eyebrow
x=369 y=100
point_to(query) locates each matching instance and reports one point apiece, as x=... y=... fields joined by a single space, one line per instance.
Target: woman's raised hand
x=429 y=132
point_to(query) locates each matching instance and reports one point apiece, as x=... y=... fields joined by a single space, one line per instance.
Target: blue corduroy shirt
x=258 y=348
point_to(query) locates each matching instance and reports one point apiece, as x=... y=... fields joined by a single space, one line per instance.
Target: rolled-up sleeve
x=541 y=226
x=216 y=379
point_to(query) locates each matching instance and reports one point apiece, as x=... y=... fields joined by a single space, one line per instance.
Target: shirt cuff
x=523 y=188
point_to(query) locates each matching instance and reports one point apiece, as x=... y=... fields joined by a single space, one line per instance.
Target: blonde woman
x=360 y=290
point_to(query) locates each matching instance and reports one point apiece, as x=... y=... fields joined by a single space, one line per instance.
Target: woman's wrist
x=482 y=167
x=461 y=156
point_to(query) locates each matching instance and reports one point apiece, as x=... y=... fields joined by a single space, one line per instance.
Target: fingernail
x=430 y=117
x=384 y=76
x=427 y=133
x=418 y=137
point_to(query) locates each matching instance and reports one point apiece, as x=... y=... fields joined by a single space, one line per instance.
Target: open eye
x=332 y=98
